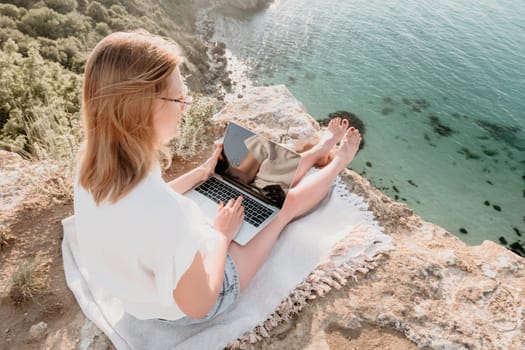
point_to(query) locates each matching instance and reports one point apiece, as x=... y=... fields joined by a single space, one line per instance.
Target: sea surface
x=439 y=85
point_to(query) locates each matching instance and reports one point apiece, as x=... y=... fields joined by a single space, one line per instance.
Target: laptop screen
x=259 y=166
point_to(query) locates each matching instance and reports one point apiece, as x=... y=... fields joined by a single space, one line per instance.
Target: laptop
x=252 y=166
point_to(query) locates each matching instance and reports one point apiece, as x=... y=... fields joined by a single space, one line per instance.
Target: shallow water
x=437 y=84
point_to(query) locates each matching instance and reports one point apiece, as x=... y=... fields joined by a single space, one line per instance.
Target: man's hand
x=229 y=218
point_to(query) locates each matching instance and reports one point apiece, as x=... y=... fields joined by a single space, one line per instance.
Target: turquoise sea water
x=438 y=84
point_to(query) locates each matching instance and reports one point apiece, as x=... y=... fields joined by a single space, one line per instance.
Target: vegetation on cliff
x=44 y=46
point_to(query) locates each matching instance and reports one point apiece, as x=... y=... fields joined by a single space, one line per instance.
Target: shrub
x=39 y=106
x=7 y=22
x=6 y=238
x=22 y=3
x=192 y=135
x=102 y=28
x=97 y=12
x=29 y=282
x=12 y=11
x=62 y=6
x=43 y=22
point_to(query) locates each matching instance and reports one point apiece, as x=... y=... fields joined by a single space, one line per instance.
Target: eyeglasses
x=187 y=100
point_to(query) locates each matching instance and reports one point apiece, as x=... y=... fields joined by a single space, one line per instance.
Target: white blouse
x=138 y=248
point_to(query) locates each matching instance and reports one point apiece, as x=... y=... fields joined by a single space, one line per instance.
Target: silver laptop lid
x=258 y=165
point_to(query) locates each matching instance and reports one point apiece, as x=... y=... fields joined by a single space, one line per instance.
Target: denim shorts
x=227 y=296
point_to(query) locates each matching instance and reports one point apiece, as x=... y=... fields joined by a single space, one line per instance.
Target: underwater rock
x=518 y=248
x=218 y=49
x=490 y=152
x=387 y=99
x=496 y=207
x=291 y=79
x=487 y=203
x=396 y=197
x=368 y=164
x=395 y=189
x=490 y=182
x=427 y=137
x=511 y=135
x=438 y=127
x=443 y=130
x=464 y=231
x=412 y=183
x=502 y=240
x=309 y=76
x=468 y=154
x=405 y=101
x=517 y=231
x=387 y=110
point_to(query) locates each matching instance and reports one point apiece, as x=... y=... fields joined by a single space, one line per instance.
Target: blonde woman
x=140 y=239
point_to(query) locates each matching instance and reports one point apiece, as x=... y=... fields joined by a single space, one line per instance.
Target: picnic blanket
x=314 y=254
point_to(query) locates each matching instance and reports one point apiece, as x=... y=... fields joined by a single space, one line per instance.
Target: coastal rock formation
x=432 y=291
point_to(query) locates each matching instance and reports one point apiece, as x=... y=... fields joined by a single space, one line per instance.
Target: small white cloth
x=302 y=246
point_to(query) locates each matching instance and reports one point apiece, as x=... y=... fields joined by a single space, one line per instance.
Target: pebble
x=38 y=331
x=517 y=231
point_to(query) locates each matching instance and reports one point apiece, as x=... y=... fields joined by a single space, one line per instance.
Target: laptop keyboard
x=254 y=212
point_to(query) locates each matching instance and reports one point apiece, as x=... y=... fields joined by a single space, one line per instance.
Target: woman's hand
x=208 y=167
x=229 y=218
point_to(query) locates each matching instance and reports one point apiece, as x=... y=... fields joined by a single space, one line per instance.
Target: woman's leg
x=333 y=134
x=300 y=199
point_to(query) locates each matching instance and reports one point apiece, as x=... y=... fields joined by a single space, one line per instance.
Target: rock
x=368 y=164
x=412 y=183
x=218 y=49
x=464 y=231
x=37 y=331
x=496 y=207
x=387 y=110
x=502 y=240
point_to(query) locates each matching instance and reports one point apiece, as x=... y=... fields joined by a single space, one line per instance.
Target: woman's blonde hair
x=124 y=73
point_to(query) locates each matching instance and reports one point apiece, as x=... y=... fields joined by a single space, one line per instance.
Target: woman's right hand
x=229 y=218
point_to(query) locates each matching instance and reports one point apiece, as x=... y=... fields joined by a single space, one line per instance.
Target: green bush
x=39 y=105
x=62 y=6
x=97 y=12
x=12 y=11
x=43 y=22
x=192 y=135
x=102 y=28
x=7 y=22
x=22 y=3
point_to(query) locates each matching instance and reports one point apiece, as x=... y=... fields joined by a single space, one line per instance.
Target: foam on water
x=438 y=85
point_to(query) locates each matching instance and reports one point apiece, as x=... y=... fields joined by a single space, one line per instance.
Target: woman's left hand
x=208 y=166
